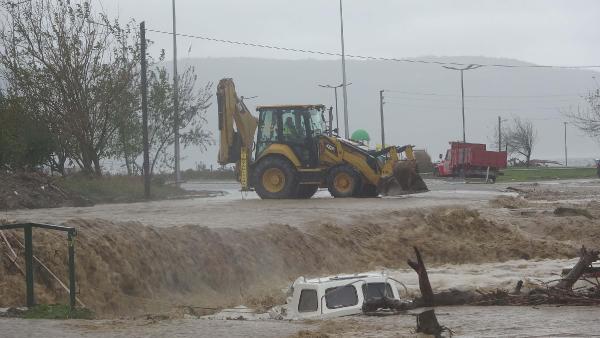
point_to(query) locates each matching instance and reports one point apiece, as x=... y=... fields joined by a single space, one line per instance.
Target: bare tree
x=193 y=104
x=588 y=120
x=521 y=137
x=74 y=68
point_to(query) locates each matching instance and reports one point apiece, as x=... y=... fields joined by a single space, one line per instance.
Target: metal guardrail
x=28 y=233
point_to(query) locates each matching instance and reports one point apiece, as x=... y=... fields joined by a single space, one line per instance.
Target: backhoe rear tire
x=306 y=190
x=275 y=178
x=344 y=181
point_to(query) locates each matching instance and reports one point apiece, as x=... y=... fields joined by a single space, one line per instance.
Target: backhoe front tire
x=275 y=178
x=344 y=181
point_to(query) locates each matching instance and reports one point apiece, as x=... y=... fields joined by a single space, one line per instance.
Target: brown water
x=465 y=321
x=231 y=243
x=237 y=210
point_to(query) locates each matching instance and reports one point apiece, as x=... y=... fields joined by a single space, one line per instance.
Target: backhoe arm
x=232 y=111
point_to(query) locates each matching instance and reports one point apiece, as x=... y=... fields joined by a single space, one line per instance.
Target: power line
x=363 y=57
x=457 y=98
x=483 y=96
x=379 y=58
x=470 y=107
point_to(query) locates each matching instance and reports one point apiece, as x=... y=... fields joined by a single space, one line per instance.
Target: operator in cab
x=289 y=129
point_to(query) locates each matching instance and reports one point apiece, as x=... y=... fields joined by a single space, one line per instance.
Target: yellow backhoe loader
x=295 y=153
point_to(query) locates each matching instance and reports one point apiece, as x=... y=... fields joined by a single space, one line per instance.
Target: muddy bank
x=35 y=190
x=129 y=269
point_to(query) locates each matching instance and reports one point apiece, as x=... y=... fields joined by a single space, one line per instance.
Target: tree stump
x=427 y=323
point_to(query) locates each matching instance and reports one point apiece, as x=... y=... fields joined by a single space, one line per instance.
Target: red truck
x=470 y=160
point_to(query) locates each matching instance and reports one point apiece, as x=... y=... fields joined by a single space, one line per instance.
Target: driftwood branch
x=426 y=321
x=555 y=292
x=424 y=285
x=586 y=258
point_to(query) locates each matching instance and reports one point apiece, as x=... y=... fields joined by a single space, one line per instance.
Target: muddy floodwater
x=241 y=210
x=465 y=321
x=235 y=249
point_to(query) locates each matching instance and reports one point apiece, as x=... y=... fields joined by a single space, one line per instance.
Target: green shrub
x=57 y=311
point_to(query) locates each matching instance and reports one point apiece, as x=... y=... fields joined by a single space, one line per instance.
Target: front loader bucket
x=404 y=180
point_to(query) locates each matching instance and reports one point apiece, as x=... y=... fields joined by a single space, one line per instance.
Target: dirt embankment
x=34 y=190
x=129 y=268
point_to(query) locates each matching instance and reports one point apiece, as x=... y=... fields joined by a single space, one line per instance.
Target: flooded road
x=236 y=209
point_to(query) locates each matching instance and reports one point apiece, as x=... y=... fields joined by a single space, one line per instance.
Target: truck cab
x=443 y=167
x=335 y=296
x=471 y=160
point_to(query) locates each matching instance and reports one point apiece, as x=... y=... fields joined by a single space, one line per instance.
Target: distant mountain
x=422 y=100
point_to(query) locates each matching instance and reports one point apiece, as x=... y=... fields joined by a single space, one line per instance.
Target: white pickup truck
x=335 y=296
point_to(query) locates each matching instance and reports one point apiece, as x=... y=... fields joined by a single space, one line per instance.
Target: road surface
x=236 y=209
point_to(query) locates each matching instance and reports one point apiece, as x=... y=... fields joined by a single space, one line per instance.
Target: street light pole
x=382 y=123
x=344 y=85
x=462 y=93
x=462 y=97
x=176 y=102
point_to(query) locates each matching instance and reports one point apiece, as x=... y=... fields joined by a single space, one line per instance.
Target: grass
x=57 y=311
x=117 y=189
x=540 y=174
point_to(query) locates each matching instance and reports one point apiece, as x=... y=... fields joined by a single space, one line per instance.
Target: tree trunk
x=427 y=323
x=97 y=167
x=424 y=285
x=585 y=259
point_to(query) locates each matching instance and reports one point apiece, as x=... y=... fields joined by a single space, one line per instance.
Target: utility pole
x=462 y=93
x=144 y=89
x=382 y=123
x=499 y=134
x=176 y=101
x=566 y=158
x=335 y=88
x=346 y=128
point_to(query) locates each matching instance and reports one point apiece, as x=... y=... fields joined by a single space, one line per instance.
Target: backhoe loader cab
x=297 y=126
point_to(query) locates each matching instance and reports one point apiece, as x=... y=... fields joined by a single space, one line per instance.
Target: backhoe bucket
x=404 y=180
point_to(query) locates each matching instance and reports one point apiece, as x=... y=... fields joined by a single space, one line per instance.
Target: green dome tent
x=360 y=135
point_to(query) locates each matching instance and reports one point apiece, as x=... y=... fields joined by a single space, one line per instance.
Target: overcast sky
x=547 y=32
x=537 y=31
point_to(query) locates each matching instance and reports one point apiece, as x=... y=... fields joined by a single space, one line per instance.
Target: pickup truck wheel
x=275 y=179
x=343 y=181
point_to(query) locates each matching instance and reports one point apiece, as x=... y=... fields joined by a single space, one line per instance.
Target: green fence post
x=72 y=289
x=29 y=265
